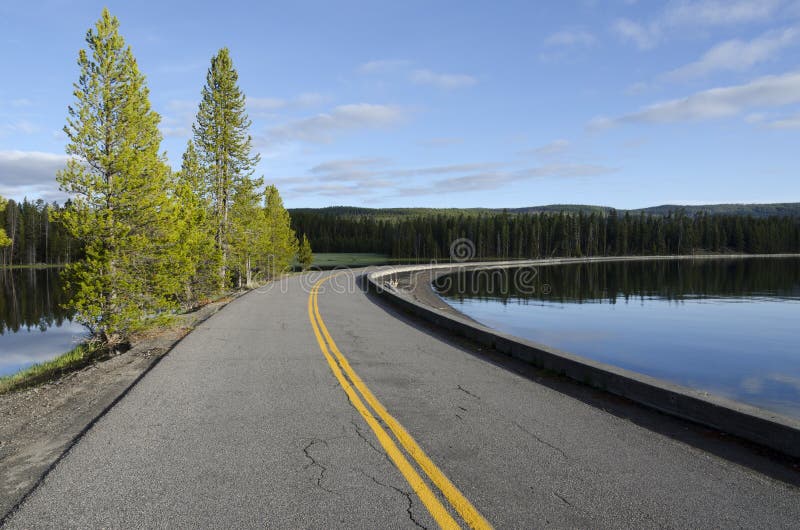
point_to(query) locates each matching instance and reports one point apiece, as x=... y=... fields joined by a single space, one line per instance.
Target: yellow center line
x=428 y=498
x=461 y=504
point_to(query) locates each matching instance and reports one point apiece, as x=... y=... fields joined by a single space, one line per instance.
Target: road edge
x=756 y=425
x=153 y=362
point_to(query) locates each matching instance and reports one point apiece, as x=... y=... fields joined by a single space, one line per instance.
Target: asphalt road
x=246 y=425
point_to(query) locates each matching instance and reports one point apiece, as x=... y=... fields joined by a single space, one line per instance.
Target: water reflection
x=726 y=326
x=34 y=327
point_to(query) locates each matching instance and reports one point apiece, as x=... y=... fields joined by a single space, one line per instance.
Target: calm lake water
x=726 y=326
x=33 y=325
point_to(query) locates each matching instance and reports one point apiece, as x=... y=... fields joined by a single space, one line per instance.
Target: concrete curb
x=765 y=428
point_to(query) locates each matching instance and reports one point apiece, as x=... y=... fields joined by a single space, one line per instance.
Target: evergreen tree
x=224 y=149
x=249 y=231
x=4 y=239
x=282 y=243
x=118 y=181
x=304 y=254
x=198 y=248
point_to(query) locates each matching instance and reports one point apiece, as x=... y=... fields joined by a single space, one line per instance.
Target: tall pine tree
x=118 y=184
x=224 y=148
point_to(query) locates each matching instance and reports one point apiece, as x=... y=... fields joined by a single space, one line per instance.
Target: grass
x=349 y=259
x=78 y=357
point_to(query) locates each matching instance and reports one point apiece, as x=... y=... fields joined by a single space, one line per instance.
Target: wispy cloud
x=786 y=122
x=18 y=127
x=305 y=100
x=382 y=65
x=696 y=13
x=324 y=127
x=440 y=80
x=644 y=38
x=764 y=92
x=491 y=180
x=376 y=176
x=554 y=148
x=737 y=55
x=419 y=76
x=570 y=37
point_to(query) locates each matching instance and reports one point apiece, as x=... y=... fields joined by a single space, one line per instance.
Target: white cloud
x=382 y=65
x=420 y=76
x=18 y=127
x=322 y=128
x=376 y=176
x=490 y=180
x=768 y=91
x=440 y=80
x=787 y=122
x=30 y=173
x=696 y=14
x=570 y=37
x=643 y=37
x=737 y=55
x=720 y=12
x=551 y=149
x=308 y=99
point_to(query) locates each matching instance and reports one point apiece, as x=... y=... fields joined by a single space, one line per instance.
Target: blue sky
x=446 y=103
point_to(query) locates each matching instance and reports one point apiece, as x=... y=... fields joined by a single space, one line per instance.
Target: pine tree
x=281 y=239
x=197 y=245
x=304 y=254
x=119 y=209
x=4 y=239
x=248 y=233
x=224 y=148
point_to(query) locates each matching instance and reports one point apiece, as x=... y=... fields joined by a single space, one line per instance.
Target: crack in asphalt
x=401 y=492
x=314 y=463
x=368 y=442
x=467 y=391
x=542 y=441
x=563 y=499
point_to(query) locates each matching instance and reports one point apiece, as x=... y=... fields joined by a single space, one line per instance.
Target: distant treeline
x=786 y=209
x=35 y=238
x=527 y=235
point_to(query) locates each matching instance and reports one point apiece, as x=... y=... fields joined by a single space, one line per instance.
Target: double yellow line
x=355 y=391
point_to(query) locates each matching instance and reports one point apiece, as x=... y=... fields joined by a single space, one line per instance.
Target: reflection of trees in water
x=31 y=298
x=612 y=281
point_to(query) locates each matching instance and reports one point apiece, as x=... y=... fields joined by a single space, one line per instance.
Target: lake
x=33 y=325
x=730 y=327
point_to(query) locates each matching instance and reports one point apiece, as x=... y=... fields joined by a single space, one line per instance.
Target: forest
x=33 y=237
x=536 y=235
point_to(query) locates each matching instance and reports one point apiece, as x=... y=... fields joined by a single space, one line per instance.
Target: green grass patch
x=37 y=374
x=349 y=259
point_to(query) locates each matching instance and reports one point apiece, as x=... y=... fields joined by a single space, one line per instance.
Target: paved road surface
x=245 y=425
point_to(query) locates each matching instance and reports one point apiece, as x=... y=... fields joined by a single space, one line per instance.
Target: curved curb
x=756 y=425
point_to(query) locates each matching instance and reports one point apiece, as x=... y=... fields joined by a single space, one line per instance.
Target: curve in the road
x=440 y=514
